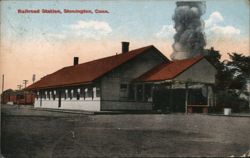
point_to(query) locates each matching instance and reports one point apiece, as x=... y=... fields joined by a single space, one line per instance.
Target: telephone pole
x=19 y=87
x=1 y=98
x=2 y=83
x=25 y=83
x=33 y=78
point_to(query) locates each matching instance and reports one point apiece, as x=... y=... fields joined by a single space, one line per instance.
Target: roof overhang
x=173 y=81
x=59 y=86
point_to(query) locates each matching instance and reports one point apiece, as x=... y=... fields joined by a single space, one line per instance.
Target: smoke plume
x=189 y=38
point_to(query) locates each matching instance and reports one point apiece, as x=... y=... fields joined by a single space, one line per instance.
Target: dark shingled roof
x=86 y=72
x=170 y=70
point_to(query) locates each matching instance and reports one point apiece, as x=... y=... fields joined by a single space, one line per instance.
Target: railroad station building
x=140 y=79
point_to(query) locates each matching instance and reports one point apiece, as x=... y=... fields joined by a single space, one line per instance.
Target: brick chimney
x=125 y=47
x=76 y=59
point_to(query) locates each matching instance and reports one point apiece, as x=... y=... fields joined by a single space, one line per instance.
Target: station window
x=123 y=91
x=97 y=92
x=57 y=94
x=49 y=95
x=131 y=92
x=70 y=94
x=89 y=93
x=82 y=93
x=54 y=95
x=77 y=95
x=148 y=93
x=139 y=92
x=65 y=94
x=45 y=96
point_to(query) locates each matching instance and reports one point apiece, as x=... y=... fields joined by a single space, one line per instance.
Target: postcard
x=125 y=78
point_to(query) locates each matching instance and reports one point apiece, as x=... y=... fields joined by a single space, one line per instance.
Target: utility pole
x=2 y=83
x=186 y=97
x=33 y=78
x=25 y=83
x=19 y=87
x=1 y=98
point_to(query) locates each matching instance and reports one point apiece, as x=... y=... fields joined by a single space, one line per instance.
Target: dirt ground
x=51 y=134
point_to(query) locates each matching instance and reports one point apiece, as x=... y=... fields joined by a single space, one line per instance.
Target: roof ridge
x=162 y=68
x=146 y=47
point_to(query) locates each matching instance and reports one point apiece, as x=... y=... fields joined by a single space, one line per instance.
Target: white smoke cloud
x=166 y=31
x=85 y=30
x=215 y=28
x=227 y=31
x=214 y=19
x=100 y=26
x=91 y=29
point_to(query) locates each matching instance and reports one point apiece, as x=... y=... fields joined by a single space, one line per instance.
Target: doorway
x=172 y=100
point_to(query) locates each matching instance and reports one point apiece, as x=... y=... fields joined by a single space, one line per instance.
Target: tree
x=231 y=77
x=239 y=66
x=214 y=57
x=223 y=76
x=232 y=73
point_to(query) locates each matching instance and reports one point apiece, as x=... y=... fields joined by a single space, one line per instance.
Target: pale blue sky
x=140 y=19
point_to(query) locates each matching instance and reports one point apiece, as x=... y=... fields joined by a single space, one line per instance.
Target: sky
x=43 y=43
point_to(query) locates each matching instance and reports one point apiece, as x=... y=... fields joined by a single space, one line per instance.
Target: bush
x=230 y=99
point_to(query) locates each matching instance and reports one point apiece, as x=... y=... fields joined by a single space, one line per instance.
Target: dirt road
x=127 y=135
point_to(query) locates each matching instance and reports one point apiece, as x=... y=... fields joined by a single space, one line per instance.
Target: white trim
x=91 y=105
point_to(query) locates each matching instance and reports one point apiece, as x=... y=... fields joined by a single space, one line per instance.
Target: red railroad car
x=18 y=97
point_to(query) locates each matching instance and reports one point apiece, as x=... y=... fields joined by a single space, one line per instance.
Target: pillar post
x=59 y=97
x=186 y=97
x=41 y=96
x=208 y=101
x=171 y=96
x=152 y=92
x=94 y=92
x=143 y=92
x=135 y=88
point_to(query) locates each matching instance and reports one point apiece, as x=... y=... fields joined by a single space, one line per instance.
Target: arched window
x=54 y=95
x=78 y=94
x=66 y=94
x=71 y=94
x=82 y=93
x=37 y=95
x=46 y=95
